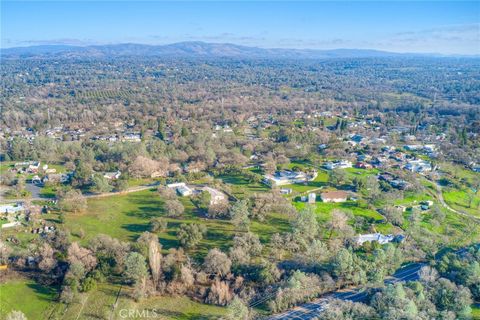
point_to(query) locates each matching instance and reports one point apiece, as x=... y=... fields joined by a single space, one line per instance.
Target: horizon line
x=87 y=45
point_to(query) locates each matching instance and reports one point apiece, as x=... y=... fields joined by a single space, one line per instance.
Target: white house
x=132 y=137
x=34 y=166
x=380 y=238
x=419 y=166
x=112 y=175
x=285 y=190
x=334 y=196
x=413 y=147
x=184 y=191
x=11 y=208
x=36 y=179
x=176 y=185
x=281 y=178
x=342 y=164
x=409 y=137
x=56 y=178
x=312 y=198
x=377 y=141
x=181 y=188
x=429 y=148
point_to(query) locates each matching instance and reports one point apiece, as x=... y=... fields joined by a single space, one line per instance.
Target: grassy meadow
x=38 y=302
x=126 y=216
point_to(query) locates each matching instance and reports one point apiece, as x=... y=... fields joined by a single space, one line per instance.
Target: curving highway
x=312 y=309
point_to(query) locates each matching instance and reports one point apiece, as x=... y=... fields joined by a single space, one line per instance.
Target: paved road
x=33 y=189
x=312 y=309
x=37 y=196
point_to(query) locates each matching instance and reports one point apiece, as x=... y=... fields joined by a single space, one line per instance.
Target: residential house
x=28 y=166
x=181 y=188
x=323 y=146
x=132 y=137
x=397 y=156
x=409 y=137
x=385 y=176
x=425 y=205
x=357 y=138
x=379 y=161
x=363 y=165
x=342 y=164
x=112 y=175
x=378 y=237
x=285 y=177
x=56 y=178
x=429 y=148
x=184 y=191
x=399 y=184
x=334 y=196
x=413 y=147
x=475 y=167
x=419 y=166
x=378 y=141
x=395 y=182
x=286 y=191
x=12 y=208
x=176 y=185
x=36 y=179
x=33 y=167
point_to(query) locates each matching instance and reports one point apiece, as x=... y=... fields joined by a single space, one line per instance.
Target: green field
x=460 y=200
x=5 y=165
x=49 y=191
x=457 y=172
x=38 y=302
x=410 y=199
x=320 y=181
x=459 y=194
x=33 y=299
x=324 y=213
x=240 y=187
x=476 y=312
x=126 y=216
x=355 y=172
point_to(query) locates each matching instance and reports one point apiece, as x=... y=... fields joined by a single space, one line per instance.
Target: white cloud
x=453 y=39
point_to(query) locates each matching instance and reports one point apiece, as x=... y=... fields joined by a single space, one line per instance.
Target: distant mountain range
x=191 y=49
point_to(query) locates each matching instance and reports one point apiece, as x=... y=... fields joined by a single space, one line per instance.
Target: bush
x=158 y=224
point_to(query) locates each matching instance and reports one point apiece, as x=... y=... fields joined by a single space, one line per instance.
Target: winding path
x=439 y=196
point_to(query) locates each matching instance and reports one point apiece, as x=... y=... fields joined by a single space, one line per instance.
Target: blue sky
x=408 y=26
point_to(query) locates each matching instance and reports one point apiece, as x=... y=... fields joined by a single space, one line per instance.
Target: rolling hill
x=187 y=49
